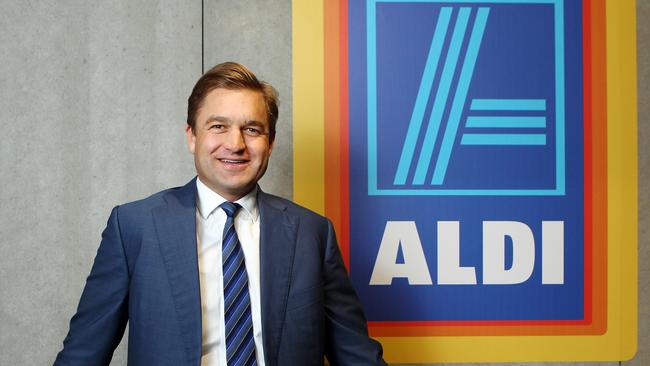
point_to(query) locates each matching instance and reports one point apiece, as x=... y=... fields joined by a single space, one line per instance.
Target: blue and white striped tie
x=240 y=347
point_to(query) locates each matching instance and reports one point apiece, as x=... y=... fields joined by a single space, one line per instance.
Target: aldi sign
x=469 y=196
x=466 y=168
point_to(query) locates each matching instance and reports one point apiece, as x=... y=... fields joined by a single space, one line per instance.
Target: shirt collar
x=209 y=201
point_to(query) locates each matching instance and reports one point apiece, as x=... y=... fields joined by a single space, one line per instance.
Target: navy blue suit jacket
x=146 y=273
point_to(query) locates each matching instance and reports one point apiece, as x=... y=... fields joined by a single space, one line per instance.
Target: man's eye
x=217 y=127
x=252 y=131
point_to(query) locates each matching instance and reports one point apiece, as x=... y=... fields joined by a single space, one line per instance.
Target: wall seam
x=202 y=36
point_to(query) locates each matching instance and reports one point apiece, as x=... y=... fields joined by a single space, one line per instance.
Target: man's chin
x=239 y=191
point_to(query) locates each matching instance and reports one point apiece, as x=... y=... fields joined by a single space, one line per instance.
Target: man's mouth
x=233 y=161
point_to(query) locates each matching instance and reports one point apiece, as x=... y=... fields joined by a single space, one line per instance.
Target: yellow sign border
x=619 y=342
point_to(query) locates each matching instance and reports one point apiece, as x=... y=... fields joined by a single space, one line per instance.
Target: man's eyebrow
x=250 y=122
x=217 y=119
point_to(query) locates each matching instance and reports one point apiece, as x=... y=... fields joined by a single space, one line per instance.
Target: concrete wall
x=93 y=110
x=92 y=106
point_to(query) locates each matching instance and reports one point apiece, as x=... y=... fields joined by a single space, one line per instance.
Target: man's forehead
x=228 y=102
x=221 y=92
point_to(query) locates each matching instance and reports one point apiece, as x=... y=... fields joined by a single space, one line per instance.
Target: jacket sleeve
x=98 y=325
x=347 y=341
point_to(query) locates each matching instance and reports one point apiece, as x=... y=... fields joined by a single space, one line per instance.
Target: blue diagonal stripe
x=229 y=245
x=236 y=310
x=422 y=98
x=234 y=315
x=441 y=96
x=460 y=96
x=232 y=266
x=236 y=280
x=506 y=122
x=237 y=258
x=240 y=333
x=236 y=335
x=244 y=353
x=238 y=284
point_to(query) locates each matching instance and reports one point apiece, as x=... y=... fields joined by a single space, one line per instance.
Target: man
x=218 y=272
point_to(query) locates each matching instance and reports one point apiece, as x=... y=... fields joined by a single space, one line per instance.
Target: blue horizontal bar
x=473 y=1
x=506 y=122
x=503 y=139
x=508 y=105
x=466 y=192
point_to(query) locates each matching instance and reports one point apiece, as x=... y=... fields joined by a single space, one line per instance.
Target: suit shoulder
x=295 y=209
x=154 y=200
x=145 y=205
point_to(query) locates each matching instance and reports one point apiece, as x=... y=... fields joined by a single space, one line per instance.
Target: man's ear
x=191 y=138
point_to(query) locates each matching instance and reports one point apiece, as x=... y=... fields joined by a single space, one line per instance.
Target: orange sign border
x=619 y=227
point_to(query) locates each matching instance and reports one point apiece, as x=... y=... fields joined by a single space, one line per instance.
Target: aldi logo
x=466 y=99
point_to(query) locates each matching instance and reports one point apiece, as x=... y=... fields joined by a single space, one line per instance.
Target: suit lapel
x=176 y=229
x=278 y=233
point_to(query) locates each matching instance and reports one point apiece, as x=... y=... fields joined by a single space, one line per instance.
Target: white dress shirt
x=210 y=221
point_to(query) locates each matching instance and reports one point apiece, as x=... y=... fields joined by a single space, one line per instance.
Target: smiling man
x=218 y=272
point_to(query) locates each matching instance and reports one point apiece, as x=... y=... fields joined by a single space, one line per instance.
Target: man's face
x=230 y=141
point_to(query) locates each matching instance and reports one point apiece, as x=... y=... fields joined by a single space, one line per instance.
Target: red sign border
x=595 y=182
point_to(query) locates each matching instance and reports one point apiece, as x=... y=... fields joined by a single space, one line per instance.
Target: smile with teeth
x=230 y=161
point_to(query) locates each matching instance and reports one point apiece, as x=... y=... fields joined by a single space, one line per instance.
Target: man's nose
x=235 y=140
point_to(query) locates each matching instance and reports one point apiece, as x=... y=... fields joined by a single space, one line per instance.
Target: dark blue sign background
x=515 y=60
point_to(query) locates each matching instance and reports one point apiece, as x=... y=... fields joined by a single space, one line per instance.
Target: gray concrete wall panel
x=93 y=110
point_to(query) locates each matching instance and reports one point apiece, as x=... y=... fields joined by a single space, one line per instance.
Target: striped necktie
x=240 y=347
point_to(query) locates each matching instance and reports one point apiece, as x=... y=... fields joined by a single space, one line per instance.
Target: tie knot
x=230 y=208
